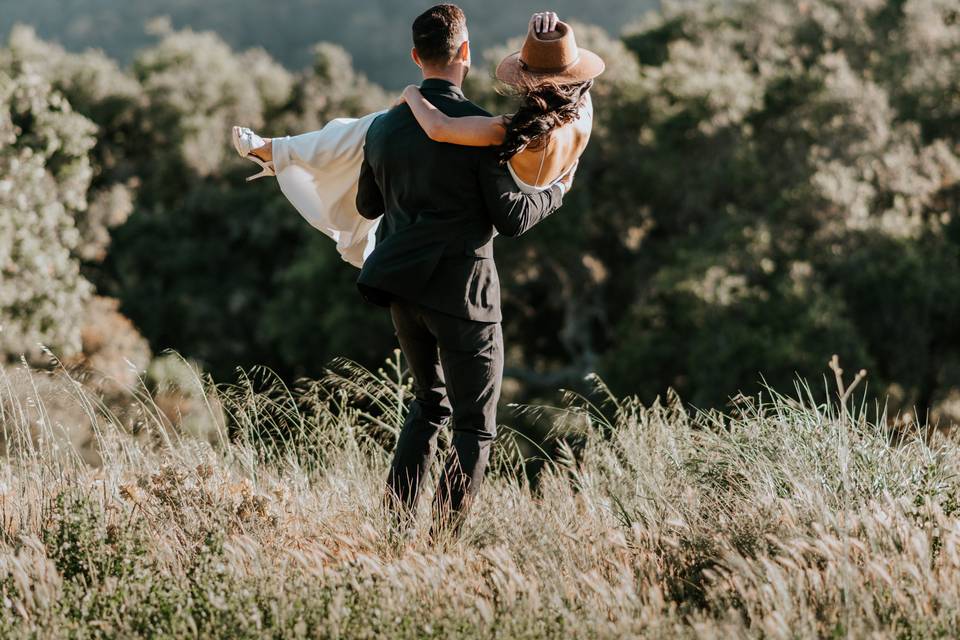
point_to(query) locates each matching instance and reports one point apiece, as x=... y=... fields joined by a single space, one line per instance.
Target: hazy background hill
x=375 y=32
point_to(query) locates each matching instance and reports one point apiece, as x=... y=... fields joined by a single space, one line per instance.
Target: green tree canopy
x=768 y=183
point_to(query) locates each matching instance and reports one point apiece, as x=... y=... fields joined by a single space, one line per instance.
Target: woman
x=540 y=144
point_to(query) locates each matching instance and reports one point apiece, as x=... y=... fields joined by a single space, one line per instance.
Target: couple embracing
x=414 y=196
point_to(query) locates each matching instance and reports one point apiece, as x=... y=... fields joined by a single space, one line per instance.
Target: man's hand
x=544 y=21
x=567 y=179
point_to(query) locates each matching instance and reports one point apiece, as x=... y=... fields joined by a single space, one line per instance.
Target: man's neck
x=453 y=75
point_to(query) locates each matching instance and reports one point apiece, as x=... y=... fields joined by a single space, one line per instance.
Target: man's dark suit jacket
x=441 y=203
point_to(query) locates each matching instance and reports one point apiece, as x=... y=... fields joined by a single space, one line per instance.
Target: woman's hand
x=410 y=93
x=406 y=96
x=544 y=21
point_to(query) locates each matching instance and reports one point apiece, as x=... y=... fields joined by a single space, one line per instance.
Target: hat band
x=529 y=69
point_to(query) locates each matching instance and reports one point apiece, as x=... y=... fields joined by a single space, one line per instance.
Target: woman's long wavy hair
x=545 y=107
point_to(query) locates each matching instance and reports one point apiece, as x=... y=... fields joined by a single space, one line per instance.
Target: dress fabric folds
x=318 y=173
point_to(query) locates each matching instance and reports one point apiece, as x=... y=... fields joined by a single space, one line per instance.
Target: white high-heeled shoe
x=245 y=141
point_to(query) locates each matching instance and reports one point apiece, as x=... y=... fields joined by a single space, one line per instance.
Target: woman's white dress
x=318 y=173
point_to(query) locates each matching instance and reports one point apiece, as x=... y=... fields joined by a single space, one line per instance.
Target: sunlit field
x=783 y=518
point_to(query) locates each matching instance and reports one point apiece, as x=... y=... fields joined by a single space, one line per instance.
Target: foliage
x=768 y=183
x=44 y=175
x=778 y=160
x=245 y=281
x=57 y=207
x=765 y=190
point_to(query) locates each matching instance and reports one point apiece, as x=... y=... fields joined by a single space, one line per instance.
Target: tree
x=800 y=199
x=768 y=183
x=225 y=271
x=53 y=220
x=44 y=175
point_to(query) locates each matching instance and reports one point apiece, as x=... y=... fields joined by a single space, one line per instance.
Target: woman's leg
x=265 y=152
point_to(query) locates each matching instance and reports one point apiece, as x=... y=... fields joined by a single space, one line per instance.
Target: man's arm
x=513 y=212
x=369 y=199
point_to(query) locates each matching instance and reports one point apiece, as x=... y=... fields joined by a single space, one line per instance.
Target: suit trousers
x=457 y=369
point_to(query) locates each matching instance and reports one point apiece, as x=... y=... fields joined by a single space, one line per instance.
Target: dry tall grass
x=788 y=519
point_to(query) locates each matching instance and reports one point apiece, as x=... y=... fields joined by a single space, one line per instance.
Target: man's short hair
x=438 y=32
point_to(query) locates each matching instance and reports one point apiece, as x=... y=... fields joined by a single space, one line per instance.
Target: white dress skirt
x=318 y=172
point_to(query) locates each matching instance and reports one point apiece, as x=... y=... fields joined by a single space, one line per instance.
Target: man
x=433 y=266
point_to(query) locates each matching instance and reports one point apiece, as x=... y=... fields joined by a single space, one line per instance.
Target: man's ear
x=463 y=53
x=416 y=57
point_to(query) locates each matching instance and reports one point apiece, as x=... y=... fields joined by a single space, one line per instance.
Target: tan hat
x=550 y=57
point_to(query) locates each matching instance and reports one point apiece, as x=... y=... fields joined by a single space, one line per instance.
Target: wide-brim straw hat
x=550 y=57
